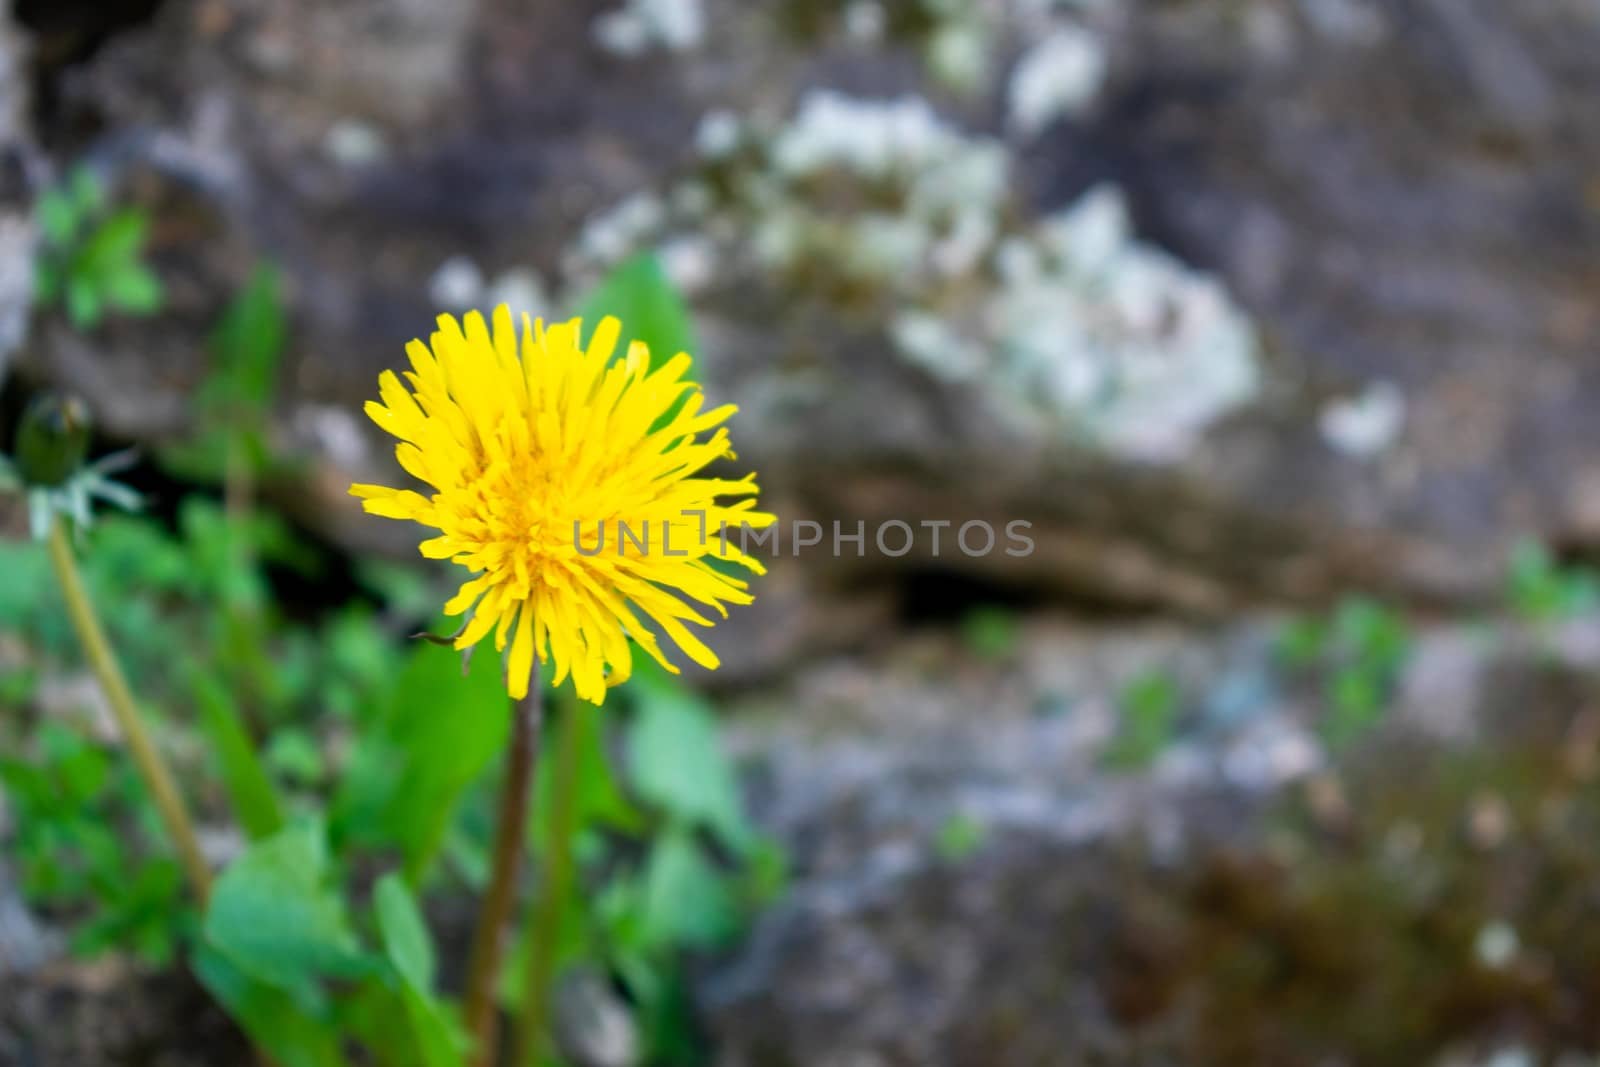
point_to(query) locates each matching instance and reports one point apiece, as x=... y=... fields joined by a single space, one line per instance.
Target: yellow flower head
x=570 y=484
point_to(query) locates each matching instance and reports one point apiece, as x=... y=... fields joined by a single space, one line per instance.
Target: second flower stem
x=511 y=831
x=555 y=881
x=108 y=672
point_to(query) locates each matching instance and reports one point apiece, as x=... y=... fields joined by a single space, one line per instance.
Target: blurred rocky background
x=1256 y=310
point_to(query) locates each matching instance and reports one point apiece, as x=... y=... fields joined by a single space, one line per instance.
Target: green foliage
x=290 y=1033
x=275 y=915
x=409 y=949
x=1359 y=652
x=677 y=763
x=959 y=837
x=991 y=633
x=1150 y=704
x=638 y=293
x=82 y=833
x=340 y=751
x=255 y=800
x=1540 y=590
x=233 y=404
x=437 y=732
x=92 y=261
x=668 y=860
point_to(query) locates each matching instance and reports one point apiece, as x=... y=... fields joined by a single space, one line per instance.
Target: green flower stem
x=554 y=889
x=511 y=831
x=103 y=661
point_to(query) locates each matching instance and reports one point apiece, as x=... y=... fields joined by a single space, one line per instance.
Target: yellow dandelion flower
x=572 y=485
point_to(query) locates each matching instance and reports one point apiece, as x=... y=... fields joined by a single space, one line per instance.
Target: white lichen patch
x=1365 y=425
x=1068 y=322
x=1117 y=338
x=642 y=25
x=1058 y=77
x=457 y=285
x=460 y=285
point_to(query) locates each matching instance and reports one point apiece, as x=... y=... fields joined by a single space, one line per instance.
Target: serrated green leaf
x=274 y=915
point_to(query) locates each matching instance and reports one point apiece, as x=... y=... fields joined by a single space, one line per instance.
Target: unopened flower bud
x=52 y=440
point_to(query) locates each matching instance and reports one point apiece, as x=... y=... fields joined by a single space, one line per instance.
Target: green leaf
x=410 y=950
x=86 y=190
x=83 y=302
x=678 y=763
x=273 y=914
x=440 y=1040
x=405 y=934
x=991 y=633
x=133 y=288
x=295 y=755
x=58 y=218
x=275 y=1022
x=638 y=293
x=687 y=900
x=137 y=909
x=1356 y=697
x=115 y=242
x=255 y=801
x=1150 y=706
x=47 y=282
x=249 y=341
x=438 y=733
x=959 y=837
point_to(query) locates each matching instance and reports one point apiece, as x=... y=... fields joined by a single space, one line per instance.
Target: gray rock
x=890 y=947
x=1401 y=195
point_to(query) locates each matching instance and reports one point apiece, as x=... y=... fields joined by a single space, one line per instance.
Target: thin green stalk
x=511 y=831
x=554 y=889
x=103 y=661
